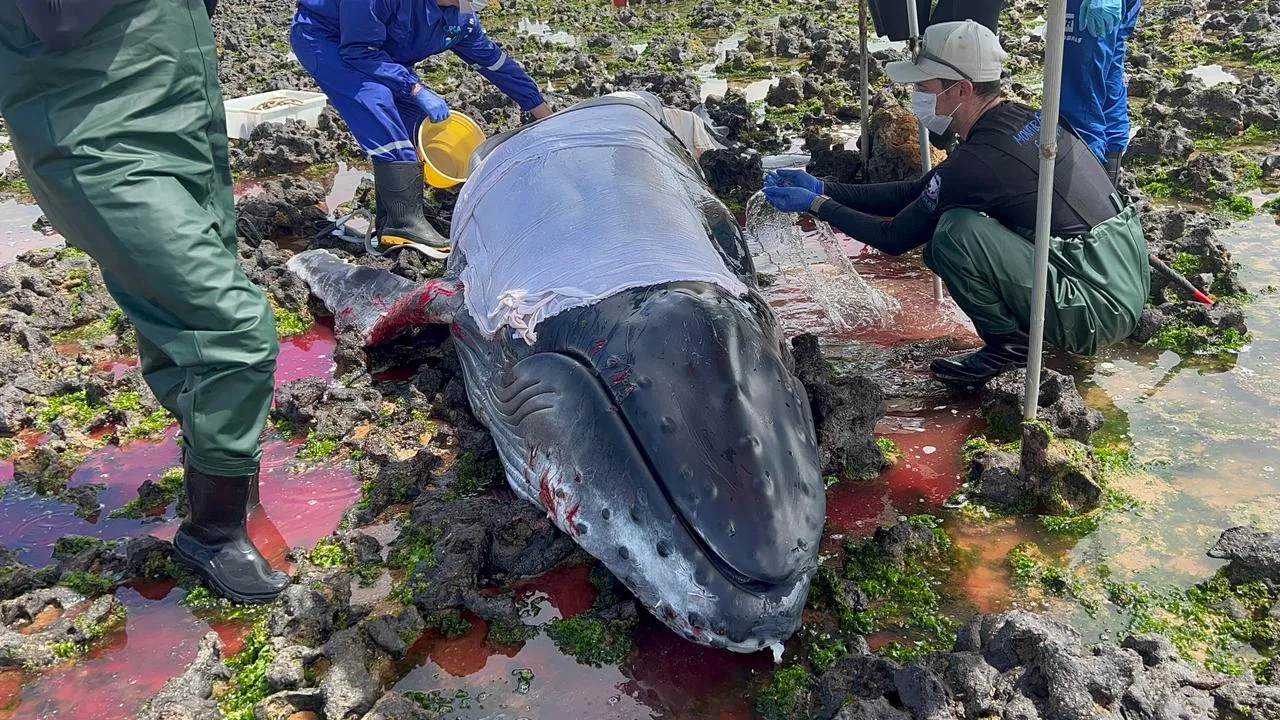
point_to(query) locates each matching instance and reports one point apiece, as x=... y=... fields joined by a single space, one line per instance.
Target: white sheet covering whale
x=563 y=214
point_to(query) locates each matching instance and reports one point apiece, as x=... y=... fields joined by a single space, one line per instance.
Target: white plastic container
x=246 y=113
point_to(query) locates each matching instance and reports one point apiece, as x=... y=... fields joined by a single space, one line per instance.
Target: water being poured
x=827 y=275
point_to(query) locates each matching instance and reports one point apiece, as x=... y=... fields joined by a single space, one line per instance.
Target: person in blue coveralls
x=1095 y=96
x=361 y=53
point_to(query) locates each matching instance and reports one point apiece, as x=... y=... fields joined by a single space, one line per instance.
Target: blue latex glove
x=432 y=104
x=789 y=199
x=1100 y=17
x=789 y=177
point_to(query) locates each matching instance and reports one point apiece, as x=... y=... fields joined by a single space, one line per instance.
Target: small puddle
x=1213 y=75
x=926 y=475
x=307 y=355
x=16 y=233
x=543 y=32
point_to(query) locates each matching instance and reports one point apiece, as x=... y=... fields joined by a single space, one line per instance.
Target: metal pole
x=1055 y=30
x=864 y=142
x=926 y=157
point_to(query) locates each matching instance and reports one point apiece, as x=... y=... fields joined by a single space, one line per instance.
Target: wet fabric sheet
x=580 y=207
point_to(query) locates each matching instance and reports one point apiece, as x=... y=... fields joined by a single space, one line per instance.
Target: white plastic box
x=246 y=113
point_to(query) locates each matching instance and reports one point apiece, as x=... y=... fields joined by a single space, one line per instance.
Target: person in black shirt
x=975 y=214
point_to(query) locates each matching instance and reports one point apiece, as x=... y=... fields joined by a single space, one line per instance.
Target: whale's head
x=663 y=429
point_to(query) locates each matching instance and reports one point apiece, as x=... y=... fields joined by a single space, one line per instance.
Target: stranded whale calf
x=637 y=386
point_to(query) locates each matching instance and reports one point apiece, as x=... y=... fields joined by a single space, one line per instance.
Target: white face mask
x=925 y=105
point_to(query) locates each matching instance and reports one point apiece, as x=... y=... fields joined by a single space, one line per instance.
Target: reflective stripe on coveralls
x=123 y=142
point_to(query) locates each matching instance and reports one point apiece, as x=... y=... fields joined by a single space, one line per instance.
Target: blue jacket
x=382 y=38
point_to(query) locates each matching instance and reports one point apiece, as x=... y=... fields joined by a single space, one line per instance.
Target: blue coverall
x=1095 y=95
x=361 y=54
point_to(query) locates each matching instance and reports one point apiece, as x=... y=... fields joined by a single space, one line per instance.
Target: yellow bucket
x=445 y=148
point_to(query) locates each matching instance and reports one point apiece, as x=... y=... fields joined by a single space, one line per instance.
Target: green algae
x=509 y=635
x=319 y=446
x=171 y=486
x=91 y=585
x=450 y=623
x=903 y=599
x=591 y=640
x=783 y=697
x=474 y=475
x=112 y=324
x=75 y=406
x=890 y=450
x=1185 y=338
x=289 y=323
x=248 y=684
x=329 y=552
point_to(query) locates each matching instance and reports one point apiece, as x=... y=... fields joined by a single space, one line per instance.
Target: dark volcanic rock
x=878 y=709
x=1207 y=174
x=788 y=91
x=395 y=706
x=863 y=677
x=835 y=163
x=190 y=695
x=288 y=207
x=298 y=401
x=1059 y=404
x=26 y=644
x=352 y=684
x=1254 y=556
x=309 y=608
x=1168 y=141
x=388 y=632
x=481 y=537
x=1060 y=474
x=995 y=473
x=1170 y=232
x=845 y=413
x=895 y=144
x=733 y=173
x=288 y=669
x=1149 y=325
x=289 y=703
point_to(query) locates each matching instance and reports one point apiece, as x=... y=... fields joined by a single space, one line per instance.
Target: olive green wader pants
x=123 y=142
x=1098 y=283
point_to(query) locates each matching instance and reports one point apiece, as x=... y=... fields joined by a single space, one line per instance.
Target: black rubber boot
x=213 y=541
x=251 y=503
x=398 y=187
x=1001 y=354
x=1113 y=168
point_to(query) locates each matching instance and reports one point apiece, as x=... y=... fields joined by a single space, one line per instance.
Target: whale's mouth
x=721 y=426
x=739 y=579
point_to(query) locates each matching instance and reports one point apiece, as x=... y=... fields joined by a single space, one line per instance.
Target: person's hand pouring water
x=791 y=190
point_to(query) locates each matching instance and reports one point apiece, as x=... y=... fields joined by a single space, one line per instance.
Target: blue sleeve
x=476 y=48
x=364 y=28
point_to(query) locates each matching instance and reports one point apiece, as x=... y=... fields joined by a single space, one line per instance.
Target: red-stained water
x=926 y=475
x=307 y=355
x=161 y=637
x=664 y=677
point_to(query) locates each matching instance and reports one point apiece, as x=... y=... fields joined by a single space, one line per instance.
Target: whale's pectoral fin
x=378 y=303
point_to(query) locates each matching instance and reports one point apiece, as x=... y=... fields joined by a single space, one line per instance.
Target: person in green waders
x=115 y=114
x=975 y=213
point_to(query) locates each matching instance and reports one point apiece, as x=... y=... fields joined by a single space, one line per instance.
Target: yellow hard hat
x=446 y=147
